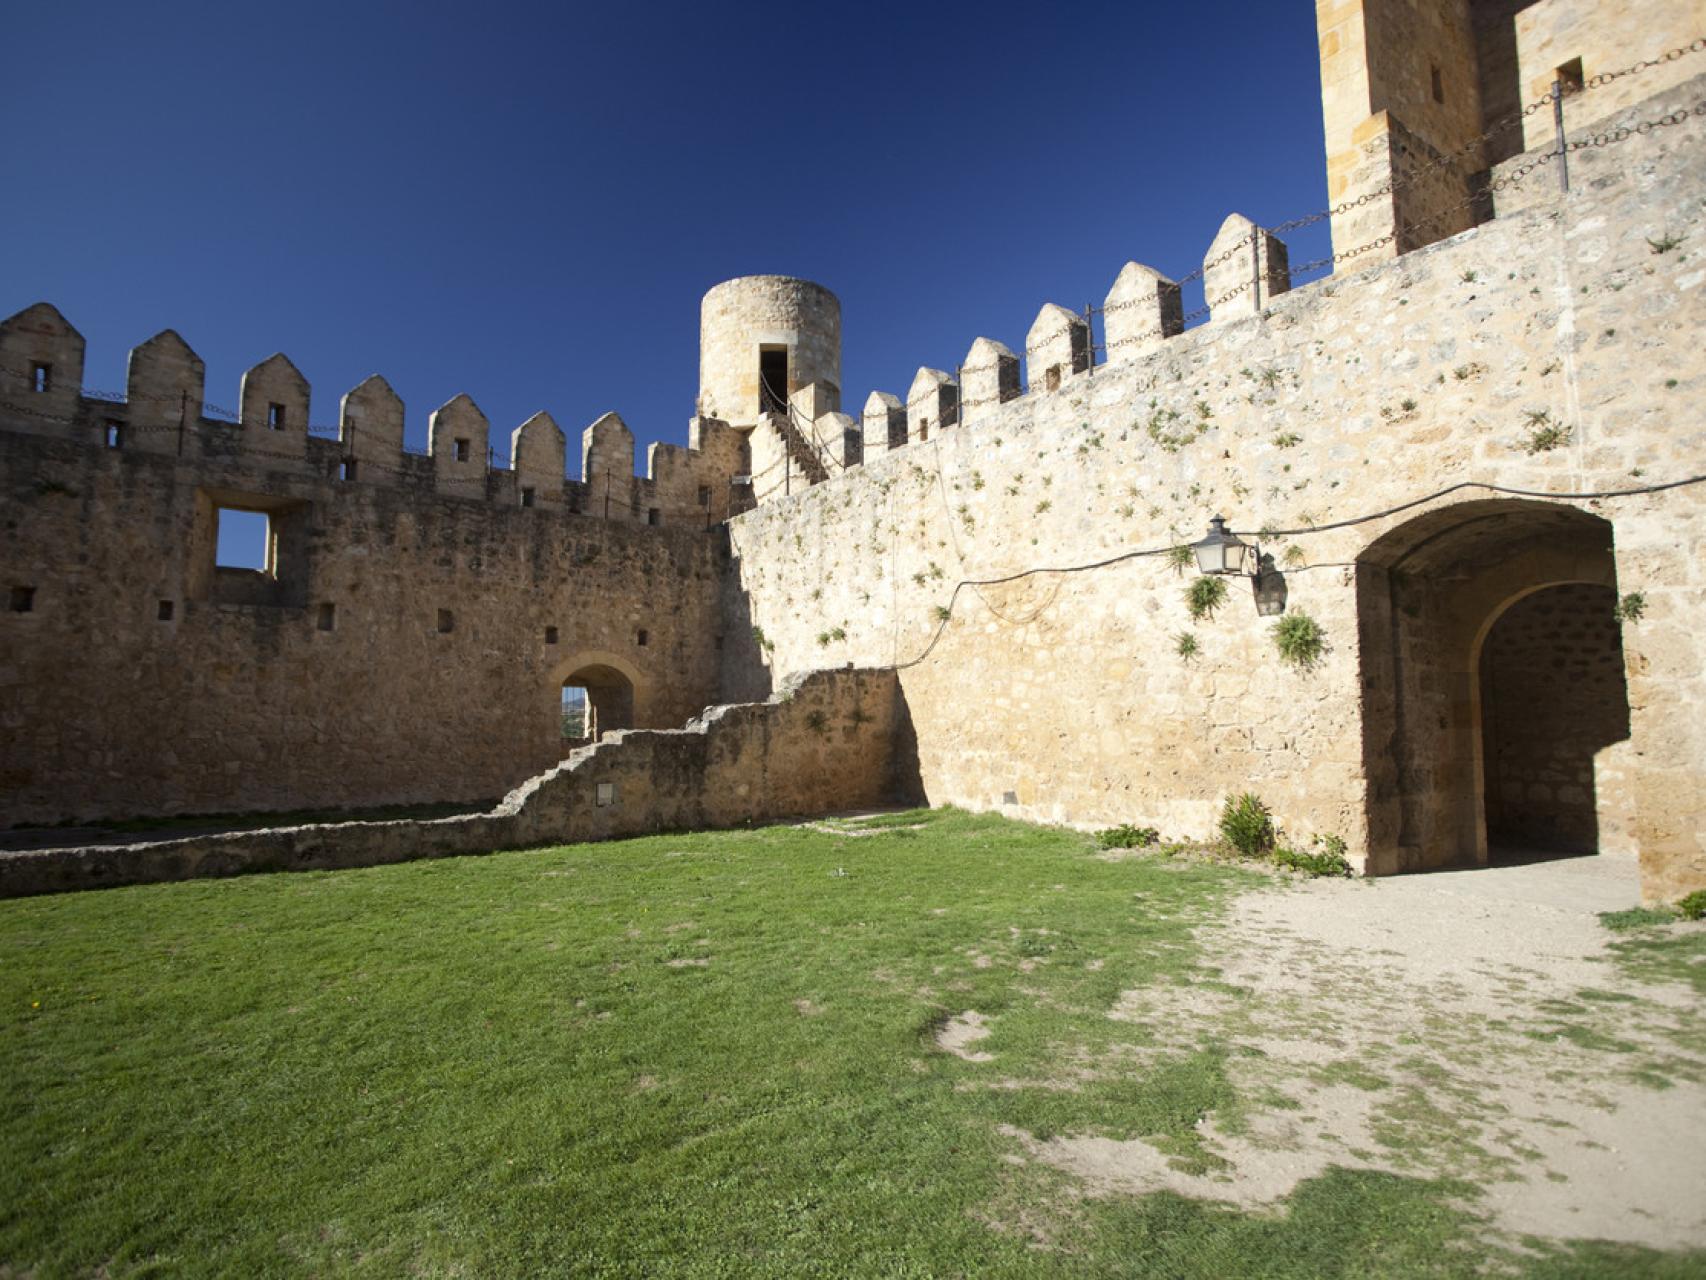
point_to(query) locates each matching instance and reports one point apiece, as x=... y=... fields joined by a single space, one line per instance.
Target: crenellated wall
x=1016 y=567
x=410 y=637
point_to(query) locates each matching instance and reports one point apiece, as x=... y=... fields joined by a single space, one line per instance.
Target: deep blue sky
x=525 y=202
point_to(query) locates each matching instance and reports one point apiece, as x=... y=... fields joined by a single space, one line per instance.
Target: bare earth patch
x=962 y=1031
x=1465 y=1024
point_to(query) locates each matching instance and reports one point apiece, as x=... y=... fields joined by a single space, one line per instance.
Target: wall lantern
x=1225 y=553
x=1221 y=552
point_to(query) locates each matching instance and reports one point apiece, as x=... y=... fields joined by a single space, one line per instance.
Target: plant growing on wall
x=1179 y=558
x=1631 y=607
x=1204 y=596
x=1246 y=825
x=1185 y=645
x=761 y=640
x=1299 y=639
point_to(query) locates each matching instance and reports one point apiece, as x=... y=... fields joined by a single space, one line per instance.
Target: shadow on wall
x=746 y=673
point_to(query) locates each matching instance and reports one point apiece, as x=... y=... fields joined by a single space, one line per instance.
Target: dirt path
x=1464 y=1024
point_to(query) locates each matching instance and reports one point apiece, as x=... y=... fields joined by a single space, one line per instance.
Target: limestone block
x=989 y=378
x=811 y=402
x=164 y=385
x=932 y=403
x=273 y=404
x=370 y=428
x=458 y=441
x=1141 y=312
x=41 y=369
x=1243 y=259
x=538 y=449
x=1057 y=346
x=885 y=422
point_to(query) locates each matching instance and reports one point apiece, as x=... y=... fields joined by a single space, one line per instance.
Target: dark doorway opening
x=773 y=379
x=595 y=701
x=1553 y=698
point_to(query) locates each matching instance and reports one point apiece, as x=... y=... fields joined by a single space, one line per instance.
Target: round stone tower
x=767 y=336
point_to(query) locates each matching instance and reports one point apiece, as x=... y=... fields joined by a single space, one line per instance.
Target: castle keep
x=1473 y=452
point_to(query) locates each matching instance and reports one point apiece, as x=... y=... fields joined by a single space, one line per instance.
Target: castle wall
x=1553 y=351
x=410 y=646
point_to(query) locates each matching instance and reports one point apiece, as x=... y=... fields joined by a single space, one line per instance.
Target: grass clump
x=1324 y=857
x=1635 y=918
x=1300 y=640
x=1693 y=906
x=1186 y=646
x=1204 y=596
x=1246 y=825
x=1631 y=607
x=1127 y=837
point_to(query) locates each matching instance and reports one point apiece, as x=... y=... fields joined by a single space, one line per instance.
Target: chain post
x=183 y=413
x=1090 y=338
x=1558 y=125
x=1256 y=266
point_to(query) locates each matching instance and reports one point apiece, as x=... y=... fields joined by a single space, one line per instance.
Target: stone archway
x=1469 y=610
x=616 y=694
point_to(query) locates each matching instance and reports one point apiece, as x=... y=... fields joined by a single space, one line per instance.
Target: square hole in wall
x=275 y=416
x=114 y=435
x=527 y=497
x=462 y=448
x=550 y=635
x=164 y=611
x=604 y=793
x=1438 y=84
x=245 y=541
x=326 y=618
x=1051 y=379
x=23 y=599
x=654 y=516
x=1569 y=75
x=346 y=469
x=1009 y=797
x=704 y=495
x=640 y=637
x=446 y=621
x=41 y=377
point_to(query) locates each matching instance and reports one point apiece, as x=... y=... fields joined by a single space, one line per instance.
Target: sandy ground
x=1466 y=1024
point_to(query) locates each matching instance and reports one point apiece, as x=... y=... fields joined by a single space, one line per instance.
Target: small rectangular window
x=446 y=621
x=114 y=435
x=244 y=540
x=704 y=496
x=328 y=617
x=527 y=497
x=1570 y=76
x=654 y=516
x=1051 y=379
x=164 y=612
x=41 y=377
x=23 y=599
x=346 y=469
x=641 y=637
x=1438 y=84
x=462 y=447
x=550 y=635
x=275 y=416
x=924 y=428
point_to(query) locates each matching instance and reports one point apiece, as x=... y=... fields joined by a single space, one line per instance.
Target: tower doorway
x=773 y=379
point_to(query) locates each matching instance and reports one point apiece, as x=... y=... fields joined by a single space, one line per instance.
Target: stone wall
x=1553 y=351
x=827 y=742
x=410 y=647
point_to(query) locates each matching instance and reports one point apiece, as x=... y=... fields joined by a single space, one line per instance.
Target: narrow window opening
x=576 y=720
x=641 y=637
x=527 y=497
x=924 y=428
x=773 y=379
x=164 y=612
x=23 y=599
x=550 y=635
x=114 y=436
x=1570 y=76
x=718 y=642
x=446 y=622
x=346 y=469
x=704 y=496
x=1051 y=379
x=245 y=541
x=275 y=416
x=462 y=448
x=654 y=516
x=1438 y=84
x=328 y=619
x=41 y=377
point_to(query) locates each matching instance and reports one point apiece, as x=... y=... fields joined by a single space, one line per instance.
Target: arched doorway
x=595 y=700
x=1493 y=695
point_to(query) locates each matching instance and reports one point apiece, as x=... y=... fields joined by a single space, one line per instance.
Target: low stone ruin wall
x=826 y=741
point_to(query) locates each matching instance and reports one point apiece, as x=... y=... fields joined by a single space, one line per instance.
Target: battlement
x=163 y=410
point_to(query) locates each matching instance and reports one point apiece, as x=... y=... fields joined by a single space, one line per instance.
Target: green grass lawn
x=707 y=1054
